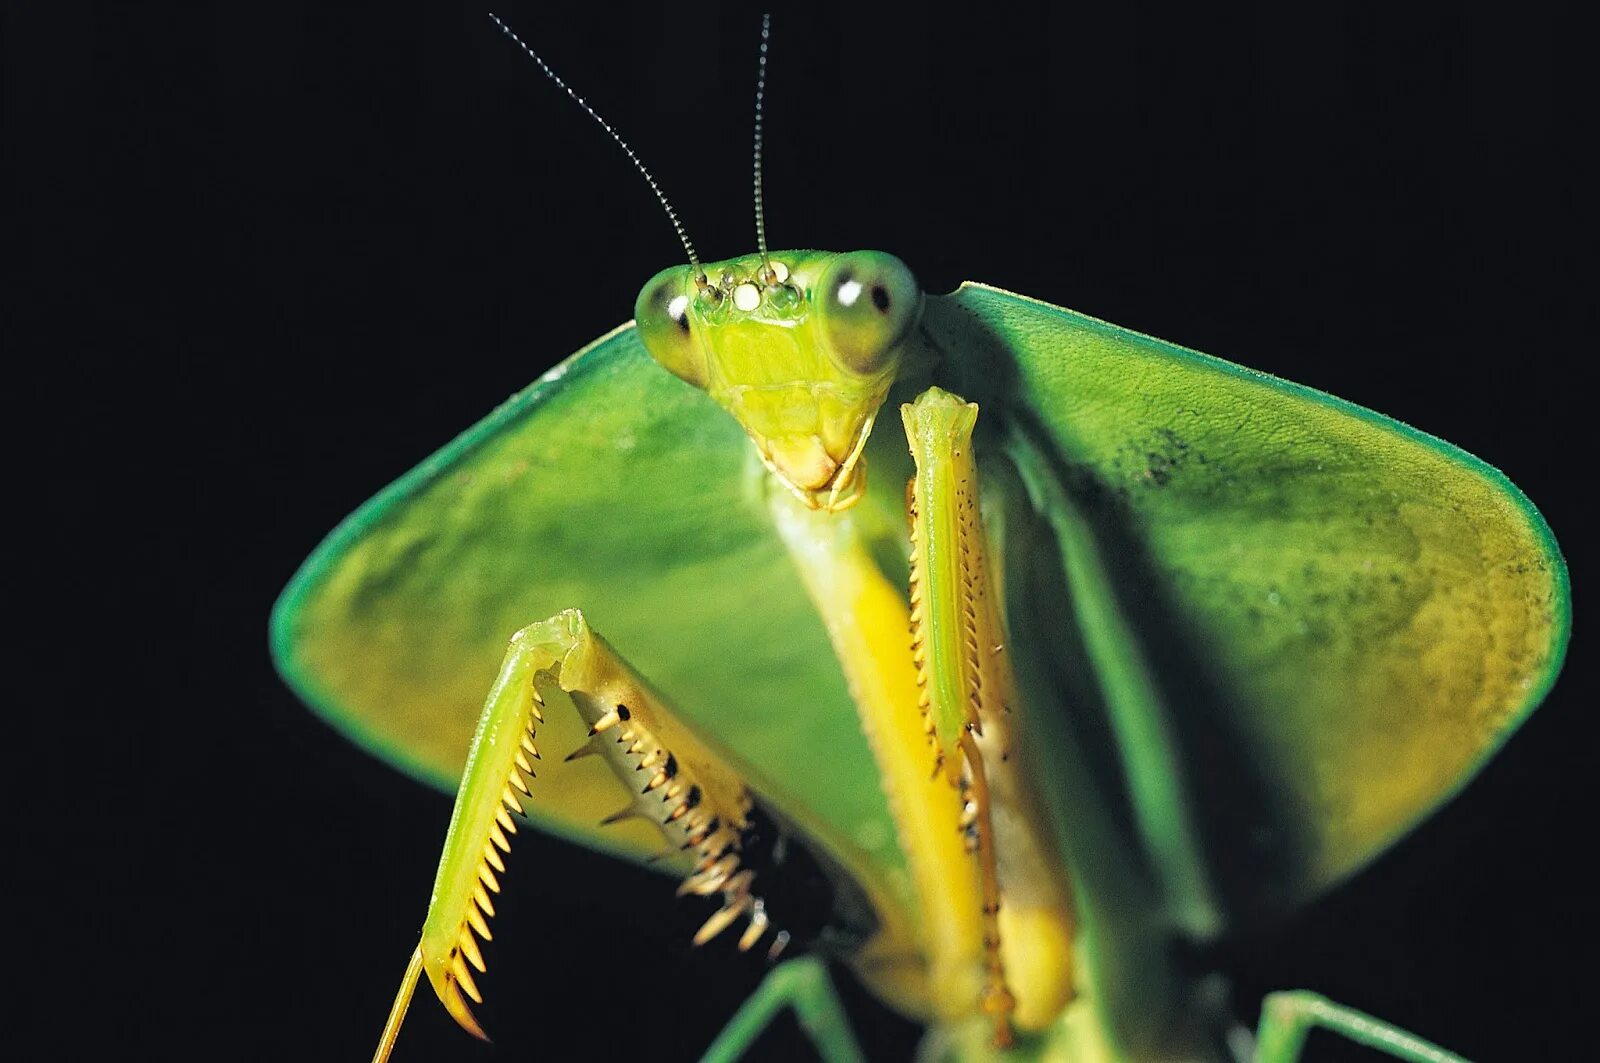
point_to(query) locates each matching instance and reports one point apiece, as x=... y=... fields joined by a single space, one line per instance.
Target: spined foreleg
x=968 y=699
x=699 y=804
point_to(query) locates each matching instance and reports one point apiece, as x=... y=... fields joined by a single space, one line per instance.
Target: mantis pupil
x=880 y=298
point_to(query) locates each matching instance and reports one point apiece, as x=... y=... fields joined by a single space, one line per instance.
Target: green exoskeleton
x=1101 y=646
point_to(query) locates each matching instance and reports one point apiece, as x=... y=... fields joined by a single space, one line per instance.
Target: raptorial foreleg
x=967 y=695
x=700 y=805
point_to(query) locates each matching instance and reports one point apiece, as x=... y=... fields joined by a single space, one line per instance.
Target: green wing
x=609 y=486
x=1344 y=617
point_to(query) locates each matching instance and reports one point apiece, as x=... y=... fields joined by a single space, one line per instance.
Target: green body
x=1301 y=624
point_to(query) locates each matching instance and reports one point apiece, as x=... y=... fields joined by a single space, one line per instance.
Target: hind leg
x=804 y=985
x=1288 y=1018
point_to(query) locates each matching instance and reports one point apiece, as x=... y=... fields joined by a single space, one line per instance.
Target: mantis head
x=801 y=348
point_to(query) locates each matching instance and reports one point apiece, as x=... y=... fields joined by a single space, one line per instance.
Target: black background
x=279 y=253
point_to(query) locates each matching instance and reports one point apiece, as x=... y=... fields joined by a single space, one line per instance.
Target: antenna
x=767 y=275
x=672 y=216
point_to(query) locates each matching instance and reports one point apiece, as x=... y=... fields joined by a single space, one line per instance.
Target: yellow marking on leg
x=867 y=621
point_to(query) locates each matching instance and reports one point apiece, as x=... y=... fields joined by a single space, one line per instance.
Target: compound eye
x=868 y=302
x=668 y=327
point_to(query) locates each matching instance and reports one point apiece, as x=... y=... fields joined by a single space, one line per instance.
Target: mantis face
x=800 y=349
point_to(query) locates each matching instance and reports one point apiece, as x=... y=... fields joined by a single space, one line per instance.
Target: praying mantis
x=991 y=394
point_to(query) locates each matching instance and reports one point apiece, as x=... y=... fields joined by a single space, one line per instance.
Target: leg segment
x=950 y=637
x=1288 y=1018
x=967 y=695
x=804 y=985
x=866 y=619
x=998 y=1001
x=697 y=801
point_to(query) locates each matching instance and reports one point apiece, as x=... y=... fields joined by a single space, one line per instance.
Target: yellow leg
x=402 y=1004
x=867 y=620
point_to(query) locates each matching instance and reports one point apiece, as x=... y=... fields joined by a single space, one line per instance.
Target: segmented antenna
x=672 y=216
x=761 y=92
